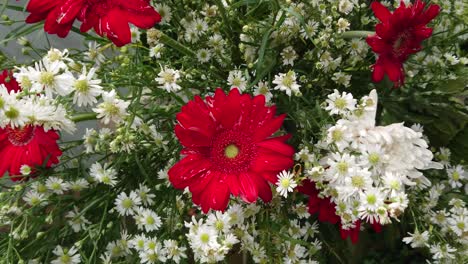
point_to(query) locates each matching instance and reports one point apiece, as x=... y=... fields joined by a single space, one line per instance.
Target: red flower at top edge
x=29 y=145
x=228 y=149
x=398 y=35
x=109 y=18
x=326 y=212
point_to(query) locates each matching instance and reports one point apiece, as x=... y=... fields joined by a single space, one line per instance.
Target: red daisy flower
x=399 y=35
x=229 y=149
x=7 y=79
x=109 y=18
x=30 y=145
x=327 y=212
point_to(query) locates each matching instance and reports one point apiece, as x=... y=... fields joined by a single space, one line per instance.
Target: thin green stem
x=84 y=117
x=356 y=34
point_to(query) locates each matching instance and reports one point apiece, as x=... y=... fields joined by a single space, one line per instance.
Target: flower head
x=398 y=35
x=229 y=149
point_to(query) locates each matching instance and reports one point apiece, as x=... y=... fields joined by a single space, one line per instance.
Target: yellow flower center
x=231 y=151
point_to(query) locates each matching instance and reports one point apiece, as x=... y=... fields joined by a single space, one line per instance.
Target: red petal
x=182 y=173
x=249 y=191
x=278 y=146
x=380 y=11
x=269 y=128
x=216 y=196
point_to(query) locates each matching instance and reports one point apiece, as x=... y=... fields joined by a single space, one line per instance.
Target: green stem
x=356 y=34
x=165 y=39
x=84 y=117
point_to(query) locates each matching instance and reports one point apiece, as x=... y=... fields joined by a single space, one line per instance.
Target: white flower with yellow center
x=287 y=82
x=167 y=80
x=86 y=89
x=66 y=256
x=286 y=183
x=127 y=205
x=112 y=109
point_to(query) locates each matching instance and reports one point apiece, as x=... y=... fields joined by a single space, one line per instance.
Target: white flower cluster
x=17 y=110
x=367 y=168
x=212 y=240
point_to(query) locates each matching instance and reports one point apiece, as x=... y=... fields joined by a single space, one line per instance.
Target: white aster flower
x=439 y=251
x=94 y=53
x=204 y=55
x=456 y=175
x=174 y=251
x=33 y=198
x=127 y=205
x=48 y=77
x=86 y=89
x=341 y=104
x=155 y=52
x=103 y=174
x=167 y=80
x=236 y=80
x=165 y=12
x=66 y=256
x=286 y=183
x=56 y=185
x=289 y=55
x=262 y=88
x=76 y=220
x=147 y=219
x=417 y=239
x=144 y=193
x=112 y=109
x=287 y=82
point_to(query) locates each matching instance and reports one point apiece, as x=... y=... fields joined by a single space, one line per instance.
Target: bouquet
x=233 y=131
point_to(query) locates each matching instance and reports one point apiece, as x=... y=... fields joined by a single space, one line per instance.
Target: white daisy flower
x=287 y=82
x=262 y=88
x=76 y=220
x=417 y=239
x=147 y=219
x=86 y=89
x=237 y=80
x=167 y=80
x=127 y=205
x=286 y=183
x=56 y=185
x=33 y=198
x=104 y=174
x=341 y=104
x=174 y=251
x=112 y=109
x=66 y=256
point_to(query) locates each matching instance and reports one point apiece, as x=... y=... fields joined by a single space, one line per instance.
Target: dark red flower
x=327 y=212
x=229 y=149
x=7 y=79
x=109 y=18
x=398 y=35
x=29 y=145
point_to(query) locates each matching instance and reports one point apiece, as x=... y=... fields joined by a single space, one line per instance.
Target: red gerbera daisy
x=327 y=212
x=30 y=145
x=399 y=35
x=229 y=149
x=109 y=18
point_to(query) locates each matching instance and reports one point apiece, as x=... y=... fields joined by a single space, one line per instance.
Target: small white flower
x=289 y=55
x=64 y=256
x=287 y=82
x=138 y=242
x=147 y=219
x=236 y=80
x=174 y=251
x=25 y=170
x=56 y=185
x=165 y=12
x=155 y=52
x=144 y=193
x=286 y=183
x=135 y=34
x=33 y=198
x=127 y=205
x=94 y=53
x=48 y=77
x=417 y=239
x=112 y=109
x=345 y=6
x=76 y=221
x=103 y=174
x=79 y=185
x=442 y=251
x=456 y=175
x=167 y=80
x=86 y=89
x=340 y=103
x=262 y=88
x=204 y=55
